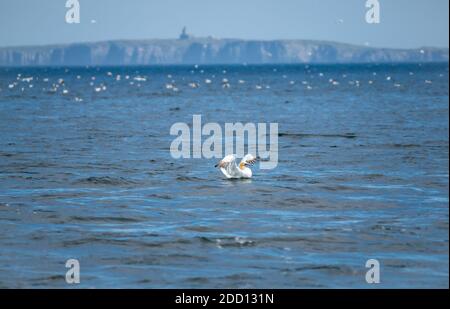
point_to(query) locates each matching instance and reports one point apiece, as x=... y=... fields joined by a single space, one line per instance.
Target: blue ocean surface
x=363 y=173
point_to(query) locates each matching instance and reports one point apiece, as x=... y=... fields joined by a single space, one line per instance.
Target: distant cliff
x=211 y=51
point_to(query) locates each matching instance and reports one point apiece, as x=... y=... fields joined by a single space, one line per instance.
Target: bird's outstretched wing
x=225 y=162
x=249 y=160
x=228 y=166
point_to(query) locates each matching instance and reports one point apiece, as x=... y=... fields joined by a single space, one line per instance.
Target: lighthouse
x=184 y=35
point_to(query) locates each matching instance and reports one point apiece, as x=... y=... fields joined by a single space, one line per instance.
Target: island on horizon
x=188 y=49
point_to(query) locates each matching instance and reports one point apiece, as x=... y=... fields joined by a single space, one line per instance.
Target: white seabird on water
x=140 y=78
x=231 y=169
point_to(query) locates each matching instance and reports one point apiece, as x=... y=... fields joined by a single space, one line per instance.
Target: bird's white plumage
x=231 y=169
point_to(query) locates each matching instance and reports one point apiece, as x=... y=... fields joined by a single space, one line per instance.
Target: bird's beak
x=216 y=165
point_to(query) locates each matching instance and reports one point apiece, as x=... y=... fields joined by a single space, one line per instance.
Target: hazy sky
x=404 y=23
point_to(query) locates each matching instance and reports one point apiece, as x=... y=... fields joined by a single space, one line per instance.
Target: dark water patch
x=327 y=270
x=161 y=196
x=373 y=176
x=200 y=228
x=242 y=278
x=228 y=241
x=99 y=219
x=47 y=279
x=93 y=241
x=298 y=201
x=287 y=178
x=396 y=145
x=307 y=135
x=198 y=280
x=106 y=181
x=6 y=154
x=161 y=259
x=189 y=178
x=339 y=188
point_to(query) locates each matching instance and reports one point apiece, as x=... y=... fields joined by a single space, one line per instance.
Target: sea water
x=86 y=173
